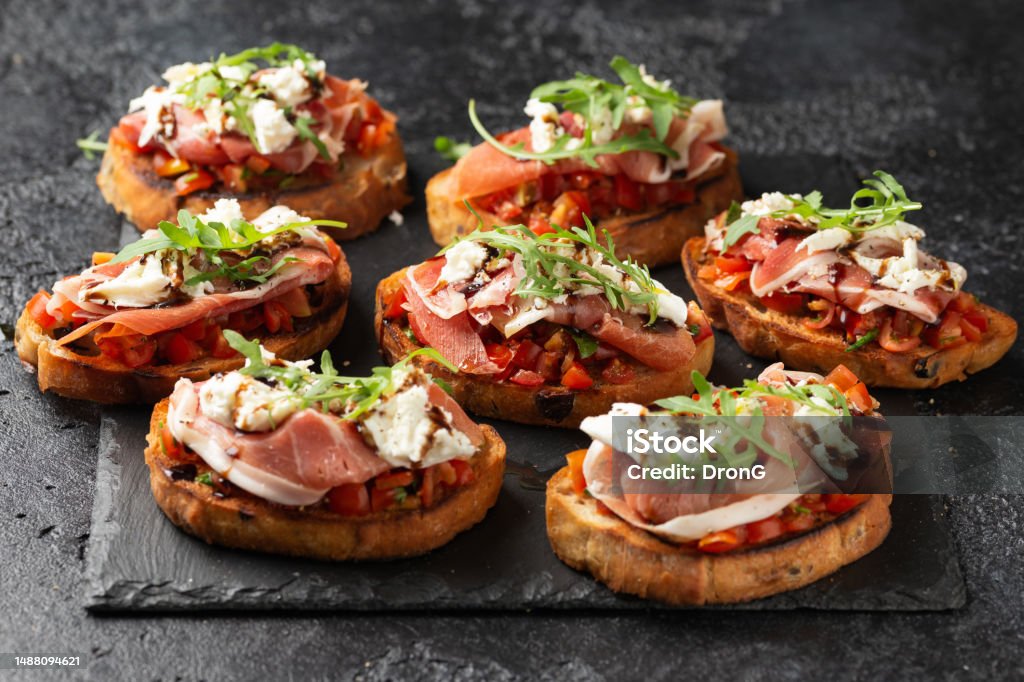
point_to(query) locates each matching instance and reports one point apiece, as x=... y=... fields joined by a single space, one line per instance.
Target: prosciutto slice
x=312 y=267
x=784 y=264
x=453 y=337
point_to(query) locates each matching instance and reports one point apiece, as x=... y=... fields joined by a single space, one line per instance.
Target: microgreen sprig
x=451 y=150
x=91 y=144
x=319 y=390
x=882 y=201
x=546 y=257
x=192 y=235
x=591 y=97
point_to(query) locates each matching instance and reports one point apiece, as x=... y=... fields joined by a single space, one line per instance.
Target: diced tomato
x=123 y=135
x=765 y=530
x=446 y=473
x=813 y=502
x=627 y=193
x=719 y=542
x=102 y=257
x=976 y=318
x=732 y=281
x=526 y=354
x=525 y=377
x=618 y=371
x=37 y=310
x=576 y=377
x=195 y=331
x=168 y=166
x=859 y=397
x=549 y=186
x=570 y=208
x=682 y=193
x=583 y=180
x=603 y=509
x=351 y=499
x=394 y=309
x=193 y=182
x=842 y=378
x=970 y=332
x=245 y=320
x=463 y=471
x=732 y=264
x=840 y=504
x=233 y=175
x=296 y=302
x=788 y=304
x=539 y=225
x=945 y=334
x=383 y=499
x=889 y=341
x=168 y=444
x=333 y=250
x=276 y=317
x=508 y=211
x=798 y=523
x=218 y=345
x=549 y=365
x=257 y=164
x=707 y=271
x=575 y=459
x=427 y=491
x=179 y=349
x=393 y=479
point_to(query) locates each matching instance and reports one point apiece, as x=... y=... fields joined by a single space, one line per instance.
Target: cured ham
x=311 y=267
x=786 y=264
x=442 y=301
x=453 y=337
x=485 y=169
x=662 y=350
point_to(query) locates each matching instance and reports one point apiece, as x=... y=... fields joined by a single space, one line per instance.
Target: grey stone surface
x=818 y=94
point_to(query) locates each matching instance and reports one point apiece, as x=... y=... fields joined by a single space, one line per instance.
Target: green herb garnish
x=592 y=97
x=862 y=341
x=550 y=264
x=585 y=344
x=451 y=150
x=91 y=144
x=191 y=235
x=312 y=389
x=302 y=127
x=206 y=478
x=882 y=201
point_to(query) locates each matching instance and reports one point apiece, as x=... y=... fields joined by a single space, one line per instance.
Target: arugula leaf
x=450 y=149
x=547 y=256
x=302 y=126
x=206 y=478
x=585 y=344
x=591 y=98
x=743 y=225
x=862 y=341
x=90 y=144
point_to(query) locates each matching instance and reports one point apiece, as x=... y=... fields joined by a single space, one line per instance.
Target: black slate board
x=138 y=560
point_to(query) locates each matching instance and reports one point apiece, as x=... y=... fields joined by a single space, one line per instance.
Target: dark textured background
x=817 y=95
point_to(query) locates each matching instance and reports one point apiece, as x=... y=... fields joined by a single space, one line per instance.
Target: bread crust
x=245 y=521
x=770 y=334
x=652 y=237
x=100 y=379
x=550 y=406
x=363 y=194
x=633 y=561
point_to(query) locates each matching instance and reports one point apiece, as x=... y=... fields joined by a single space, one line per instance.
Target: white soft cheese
x=140 y=285
x=233 y=73
x=769 y=202
x=601 y=128
x=223 y=211
x=273 y=131
x=654 y=82
x=897 y=232
x=238 y=401
x=396 y=218
x=462 y=261
x=544 y=128
x=287 y=85
x=179 y=74
x=277 y=216
x=826 y=240
x=154 y=102
x=405 y=433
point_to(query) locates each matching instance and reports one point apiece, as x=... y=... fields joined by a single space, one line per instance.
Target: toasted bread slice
x=363 y=194
x=634 y=561
x=549 y=405
x=245 y=521
x=777 y=336
x=652 y=237
x=103 y=380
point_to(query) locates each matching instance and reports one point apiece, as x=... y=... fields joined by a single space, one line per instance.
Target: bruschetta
x=698 y=548
x=266 y=126
x=644 y=162
x=125 y=329
x=544 y=329
x=817 y=287
x=277 y=458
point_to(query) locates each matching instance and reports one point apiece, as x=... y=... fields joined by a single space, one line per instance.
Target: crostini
x=544 y=329
x=817 y=287
x=693 y=548
x=287 y=133
x=277 y=458
x=126 y=328
x=643 y=161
